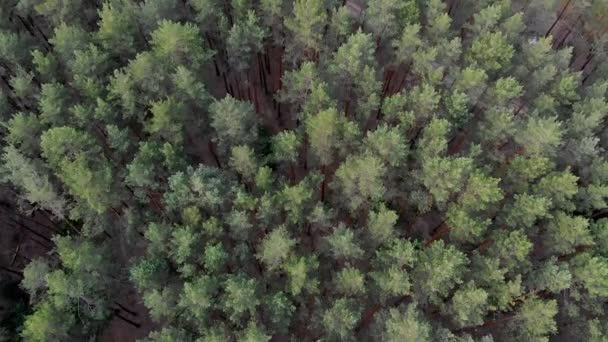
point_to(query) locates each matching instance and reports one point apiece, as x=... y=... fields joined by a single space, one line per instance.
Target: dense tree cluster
x=390 y=170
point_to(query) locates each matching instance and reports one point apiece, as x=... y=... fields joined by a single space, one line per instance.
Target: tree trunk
x=438 y=234
x=323 y=183
x=20 y=225
x=589 y=58
x=17 y=273
x=42 y=34
x=559 y=17
x=368 y=315
x=14 y=258
x=123 y=308
x=226 y=86
x=305 y=156
x=387 y=82
x=30 y=220
x=214 y=154
x=292 y=172
x=561 y=42
x=118 y=315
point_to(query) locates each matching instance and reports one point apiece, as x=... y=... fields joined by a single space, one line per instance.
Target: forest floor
x=118 y=330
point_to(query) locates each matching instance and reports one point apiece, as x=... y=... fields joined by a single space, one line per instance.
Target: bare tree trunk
x=292 y=172
x=214 y=154
x=305 y=153
x=589 y=75
x=323 y=183
x=14 y=258
x=118 y=315
x=369 y=314
x=438 y=234
x=226 y=84
x=561 y=42
x=20 y=225
x=123 y=308
x=17 y=273
x=559 y=17
x=589 y=58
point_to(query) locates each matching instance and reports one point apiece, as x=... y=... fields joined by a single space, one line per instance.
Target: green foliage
x=35 y=184
x=198 y=297
x=22 y=132
x=67 y=39
x=300 y=272
x=343 y=244
x=512 y=248
x=161 y=303
x=285 y=146
x=391 y=282
x=241 y=296
x=552 y=276
x=254 y=333
x=469 y=305
x=183 y=242
x=353 y=71
x=560 y=187
x=405 y=325
x=359 y=180
x=178 y=44
x=243 y=161
x=599 y=230
x=76 y=158
x=433 y=141
x=526 y=209
x=234 y=121
x=350 y=281
x=167 y=335
x=490 y=275
x=275 y=248
x=167 y=118
x=53 y=104
x=444 y=176
x=341 y=318
x=78 y=287
x=305 y=170
x=590 y=272
x=118 y=27
x=306 y=28
x=144 y=168
x=438 y=270
x=13 y=47
x=149 y=273
x=407 y=43
x=491 y=51
x=47 y=322
x=381 y=225
x=299 y=83
x=540 y=135
x=565 y=233
x=215 y=257
x=245 y=39
x=388 y=143
x=281 y=311
x=385 y=17
x=34 y=277
x=390 y=278
x=322 y=130
x=294 y=200
x=535 y=320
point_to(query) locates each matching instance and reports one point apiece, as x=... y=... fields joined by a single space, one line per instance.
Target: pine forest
x=308 y=170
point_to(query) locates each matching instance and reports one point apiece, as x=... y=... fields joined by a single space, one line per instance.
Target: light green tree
x=275 y=248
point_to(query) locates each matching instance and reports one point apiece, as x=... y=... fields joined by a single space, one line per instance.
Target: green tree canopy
x=308 y=170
